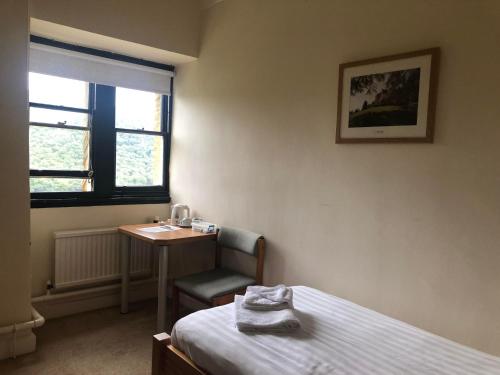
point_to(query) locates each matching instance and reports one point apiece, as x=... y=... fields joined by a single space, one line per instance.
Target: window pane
x=50 y=116
x=47 y=89
x=138 y=110
x=59 y=149
x=139 y=160
x=59 y=185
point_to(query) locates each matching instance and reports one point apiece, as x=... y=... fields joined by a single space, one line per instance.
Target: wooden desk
x=161 y=241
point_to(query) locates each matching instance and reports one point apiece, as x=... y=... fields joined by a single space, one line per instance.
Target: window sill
x=97 y=201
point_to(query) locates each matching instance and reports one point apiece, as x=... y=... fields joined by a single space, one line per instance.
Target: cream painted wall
x=14 y=193
x=171 y=25
x=410 y=230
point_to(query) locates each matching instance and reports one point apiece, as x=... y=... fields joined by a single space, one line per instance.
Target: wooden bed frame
x=168 y=360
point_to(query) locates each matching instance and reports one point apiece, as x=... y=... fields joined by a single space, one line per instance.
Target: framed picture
x=388 y=99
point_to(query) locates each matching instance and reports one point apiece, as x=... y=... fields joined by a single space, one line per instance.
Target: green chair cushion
x=214 y=283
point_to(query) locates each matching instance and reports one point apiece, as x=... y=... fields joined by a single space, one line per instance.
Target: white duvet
x=337 y=337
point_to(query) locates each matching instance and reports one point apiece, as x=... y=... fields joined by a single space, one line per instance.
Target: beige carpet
x=98 y=342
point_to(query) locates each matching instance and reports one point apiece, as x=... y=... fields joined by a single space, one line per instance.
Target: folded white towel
x=263 y=321
x=268 y=298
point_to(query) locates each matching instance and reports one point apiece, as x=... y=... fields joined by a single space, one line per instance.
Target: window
x=96 y=144
x=59 y=134
x=139 y=138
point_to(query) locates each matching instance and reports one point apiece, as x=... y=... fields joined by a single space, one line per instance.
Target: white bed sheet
x=337 y=337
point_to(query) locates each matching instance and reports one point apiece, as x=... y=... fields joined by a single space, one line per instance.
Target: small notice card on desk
x=160 y=229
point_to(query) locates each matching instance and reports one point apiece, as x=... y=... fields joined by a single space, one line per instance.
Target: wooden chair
x=219 y=286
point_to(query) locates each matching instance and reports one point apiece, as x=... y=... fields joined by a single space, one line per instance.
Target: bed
x=337 y=337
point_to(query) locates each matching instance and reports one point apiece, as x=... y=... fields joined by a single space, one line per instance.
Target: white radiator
x=91 y=256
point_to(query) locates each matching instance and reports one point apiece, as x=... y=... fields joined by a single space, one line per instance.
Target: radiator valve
x=49 y=286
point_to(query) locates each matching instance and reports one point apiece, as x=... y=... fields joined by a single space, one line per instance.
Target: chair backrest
x=245 y=241
x=239 y=239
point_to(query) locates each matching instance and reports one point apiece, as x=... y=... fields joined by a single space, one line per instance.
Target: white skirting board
x=69 y=303
x=25 y=343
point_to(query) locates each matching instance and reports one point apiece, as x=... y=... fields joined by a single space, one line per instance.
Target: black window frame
x=102 y=157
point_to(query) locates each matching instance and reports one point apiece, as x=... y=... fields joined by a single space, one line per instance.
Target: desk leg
x=125 y=268
x=162 y=289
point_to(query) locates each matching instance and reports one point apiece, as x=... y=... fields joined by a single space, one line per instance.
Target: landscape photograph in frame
x=388 y=99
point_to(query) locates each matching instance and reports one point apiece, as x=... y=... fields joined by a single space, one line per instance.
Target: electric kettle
x=180 y=215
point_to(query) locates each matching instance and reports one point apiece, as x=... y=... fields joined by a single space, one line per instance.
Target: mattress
x=337 y=337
